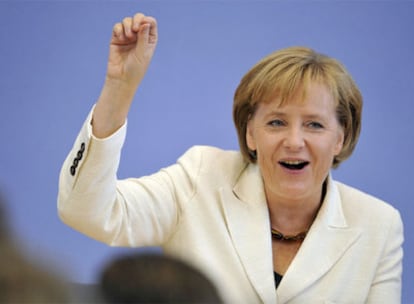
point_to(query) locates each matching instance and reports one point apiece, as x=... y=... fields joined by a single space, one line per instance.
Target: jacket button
x=82 y=147
x=80 y=154
x=72 y=170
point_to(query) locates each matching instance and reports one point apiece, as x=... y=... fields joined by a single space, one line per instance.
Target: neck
x=292 y=217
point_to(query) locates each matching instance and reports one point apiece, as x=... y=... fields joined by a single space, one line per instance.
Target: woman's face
x=296 y=144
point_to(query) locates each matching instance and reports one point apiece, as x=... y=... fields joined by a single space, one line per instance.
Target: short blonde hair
x=288 y=71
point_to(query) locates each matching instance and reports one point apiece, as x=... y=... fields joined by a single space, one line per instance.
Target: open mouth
x=294 y=164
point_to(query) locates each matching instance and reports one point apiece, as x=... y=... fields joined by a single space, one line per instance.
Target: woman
x=266 y=224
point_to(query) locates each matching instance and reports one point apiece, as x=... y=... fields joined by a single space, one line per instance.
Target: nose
x=294 y=139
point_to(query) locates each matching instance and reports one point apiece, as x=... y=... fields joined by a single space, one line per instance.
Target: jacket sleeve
x=132 y=212
x=386 y=286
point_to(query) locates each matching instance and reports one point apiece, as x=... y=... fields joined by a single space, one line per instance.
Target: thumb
x=144 y=47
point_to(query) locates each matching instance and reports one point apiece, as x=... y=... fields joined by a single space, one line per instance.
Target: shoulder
x=210 y=153
x=363 y=199
x=364 y=206
x=208 y=160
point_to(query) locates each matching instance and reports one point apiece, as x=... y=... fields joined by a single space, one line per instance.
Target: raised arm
x=91 y=199
x=131 y=49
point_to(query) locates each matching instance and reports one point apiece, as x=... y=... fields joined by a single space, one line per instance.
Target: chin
x=295 y=192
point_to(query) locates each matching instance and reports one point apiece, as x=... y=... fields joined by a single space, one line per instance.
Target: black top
x=278 y=278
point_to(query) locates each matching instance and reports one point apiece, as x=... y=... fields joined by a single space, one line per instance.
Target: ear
x=340 y=142
x=250 y=139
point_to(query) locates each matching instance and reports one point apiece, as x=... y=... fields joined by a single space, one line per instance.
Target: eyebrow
x=316 y=116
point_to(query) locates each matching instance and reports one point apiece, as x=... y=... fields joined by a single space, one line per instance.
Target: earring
x=253 y=154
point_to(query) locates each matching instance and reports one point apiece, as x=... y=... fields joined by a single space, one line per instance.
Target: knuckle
x=152 y=20
x=117 y=29
x=117 y=26
x=127 y=20
x=139 y=16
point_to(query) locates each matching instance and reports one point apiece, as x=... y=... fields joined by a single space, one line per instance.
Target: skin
x=302 y=130
x=132 y=46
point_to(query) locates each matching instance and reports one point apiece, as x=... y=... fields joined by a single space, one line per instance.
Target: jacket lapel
x=247 y=215
x=328 y=239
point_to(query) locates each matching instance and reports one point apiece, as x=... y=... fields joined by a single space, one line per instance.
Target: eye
x=276 y=123
x=315 y=125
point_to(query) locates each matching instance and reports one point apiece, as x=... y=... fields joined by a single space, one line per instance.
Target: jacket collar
x=247 y=220
x=329 y=237
x=247 y=215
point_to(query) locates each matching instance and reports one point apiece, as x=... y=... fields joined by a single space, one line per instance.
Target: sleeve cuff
x=117 y=138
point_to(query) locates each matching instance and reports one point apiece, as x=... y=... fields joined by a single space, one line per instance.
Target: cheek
x=268 y=148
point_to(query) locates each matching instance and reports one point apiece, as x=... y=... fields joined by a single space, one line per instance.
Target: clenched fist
x=132 y=45
x=131 y=49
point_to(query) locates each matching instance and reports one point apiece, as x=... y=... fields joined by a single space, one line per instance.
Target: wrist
x=120 y=89
x=112 y=107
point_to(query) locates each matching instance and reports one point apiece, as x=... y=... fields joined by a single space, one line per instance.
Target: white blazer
x=210 y=210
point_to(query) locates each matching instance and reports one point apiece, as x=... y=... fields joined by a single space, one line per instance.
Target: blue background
x=52 y=65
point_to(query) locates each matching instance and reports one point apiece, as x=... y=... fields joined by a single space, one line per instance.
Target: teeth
x=293 y=162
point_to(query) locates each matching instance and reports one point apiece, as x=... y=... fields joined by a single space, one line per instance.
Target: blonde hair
x=287 y=72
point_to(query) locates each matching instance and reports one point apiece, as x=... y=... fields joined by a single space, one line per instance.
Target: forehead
x=315 y=94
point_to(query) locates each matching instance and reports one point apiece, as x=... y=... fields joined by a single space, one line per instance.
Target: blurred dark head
x=21 y=279
x=4 y=225
x=153 y=278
